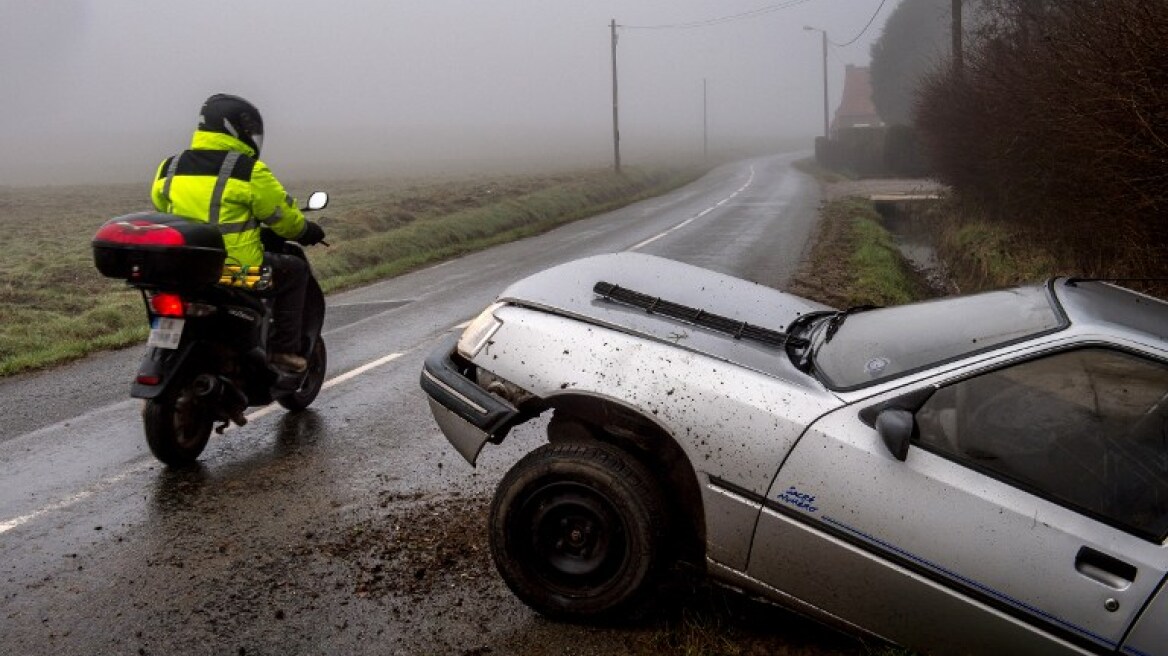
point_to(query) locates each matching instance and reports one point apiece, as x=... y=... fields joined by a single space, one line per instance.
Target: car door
x=1029 y=515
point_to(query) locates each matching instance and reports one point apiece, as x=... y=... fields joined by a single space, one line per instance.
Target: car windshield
x=876 y=345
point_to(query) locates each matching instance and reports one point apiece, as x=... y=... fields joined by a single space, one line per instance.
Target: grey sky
x=101 y=90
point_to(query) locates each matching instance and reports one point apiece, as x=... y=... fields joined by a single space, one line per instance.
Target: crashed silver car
x=978 y=474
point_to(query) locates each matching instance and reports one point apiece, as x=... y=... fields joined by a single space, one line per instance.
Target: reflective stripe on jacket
x=219 y=181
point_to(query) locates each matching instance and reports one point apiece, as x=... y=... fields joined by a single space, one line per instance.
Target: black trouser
x=289 y=278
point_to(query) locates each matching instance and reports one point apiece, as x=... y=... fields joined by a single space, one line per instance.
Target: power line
x=718 y=21
x=857 y=37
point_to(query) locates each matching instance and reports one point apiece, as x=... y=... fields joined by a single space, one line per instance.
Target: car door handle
x=1105 y=569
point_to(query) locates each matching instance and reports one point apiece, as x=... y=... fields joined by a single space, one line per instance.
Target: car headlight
x=479 y=331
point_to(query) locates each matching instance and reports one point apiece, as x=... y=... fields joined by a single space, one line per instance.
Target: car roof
x=1093 y=302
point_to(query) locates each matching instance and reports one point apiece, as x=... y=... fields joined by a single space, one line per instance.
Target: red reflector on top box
x=141 y=232
x=152 y=249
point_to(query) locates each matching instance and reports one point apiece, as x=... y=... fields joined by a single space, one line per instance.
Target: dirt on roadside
x=427 y=563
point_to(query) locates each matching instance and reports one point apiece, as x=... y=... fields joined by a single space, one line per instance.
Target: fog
x=101 y=90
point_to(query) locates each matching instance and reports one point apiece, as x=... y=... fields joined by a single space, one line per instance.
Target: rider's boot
x=290 y=362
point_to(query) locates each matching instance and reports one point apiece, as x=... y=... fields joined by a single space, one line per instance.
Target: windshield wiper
x=799 y=348
x=696 y=316
x=838 y=319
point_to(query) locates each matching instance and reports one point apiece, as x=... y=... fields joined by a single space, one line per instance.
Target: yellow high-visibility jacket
x=218 y=180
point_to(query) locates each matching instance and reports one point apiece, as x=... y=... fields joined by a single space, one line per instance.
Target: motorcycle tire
x=310 y=386
x=177 y=426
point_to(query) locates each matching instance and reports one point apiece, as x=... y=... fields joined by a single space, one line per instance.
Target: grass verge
x=428 y=239
x=855 y=261
x=55 y=307
x=983 y=255
x=881 y=275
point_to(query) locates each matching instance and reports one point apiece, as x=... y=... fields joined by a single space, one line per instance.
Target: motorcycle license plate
x=165 y=332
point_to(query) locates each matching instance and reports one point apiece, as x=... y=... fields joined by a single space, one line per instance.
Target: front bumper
x=468 y=415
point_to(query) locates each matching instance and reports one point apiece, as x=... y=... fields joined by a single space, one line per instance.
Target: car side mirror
x=895 y=426
x=317 y=200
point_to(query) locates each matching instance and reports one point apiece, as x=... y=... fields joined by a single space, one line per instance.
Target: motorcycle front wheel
x=177 y=426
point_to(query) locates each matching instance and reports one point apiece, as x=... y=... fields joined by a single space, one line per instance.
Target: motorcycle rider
x=221 y=181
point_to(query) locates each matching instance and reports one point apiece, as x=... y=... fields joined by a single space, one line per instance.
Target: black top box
x=152 y=249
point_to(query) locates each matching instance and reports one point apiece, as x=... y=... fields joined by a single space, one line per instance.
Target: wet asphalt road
x=102 y=550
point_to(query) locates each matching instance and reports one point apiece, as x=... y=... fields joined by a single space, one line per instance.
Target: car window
x=1087 y=428
x=873 y=346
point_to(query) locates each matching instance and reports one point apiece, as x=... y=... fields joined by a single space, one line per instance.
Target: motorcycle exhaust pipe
x=206 y=385
x=227 y=399
x=232 y=401
x=234 y=398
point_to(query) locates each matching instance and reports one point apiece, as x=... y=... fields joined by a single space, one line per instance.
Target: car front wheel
x=577 y=531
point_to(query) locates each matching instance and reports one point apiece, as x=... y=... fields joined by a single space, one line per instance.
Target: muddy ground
x=427 y=564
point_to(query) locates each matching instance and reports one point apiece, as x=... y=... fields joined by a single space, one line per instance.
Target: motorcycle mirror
x=317 y=200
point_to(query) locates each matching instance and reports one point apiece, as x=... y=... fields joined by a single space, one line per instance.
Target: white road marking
x=699 y=215
x=393 y=301
x=110 y=481
x=76 y=498
x=360 y=370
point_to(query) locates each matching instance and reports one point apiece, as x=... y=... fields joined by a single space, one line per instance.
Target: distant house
x=856 y=109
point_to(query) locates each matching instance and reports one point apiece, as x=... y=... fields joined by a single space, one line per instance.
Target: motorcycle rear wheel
x=177 y=426
x=313 y=380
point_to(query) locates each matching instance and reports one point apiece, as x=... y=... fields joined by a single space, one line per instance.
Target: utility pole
x=615 y=114
x=705 y=124
x=958 y=55
x=826 y=123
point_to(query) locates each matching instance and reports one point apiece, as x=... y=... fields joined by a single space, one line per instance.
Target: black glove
x=313 y=234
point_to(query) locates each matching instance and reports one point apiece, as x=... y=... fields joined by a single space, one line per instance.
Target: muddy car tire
x=577 y=530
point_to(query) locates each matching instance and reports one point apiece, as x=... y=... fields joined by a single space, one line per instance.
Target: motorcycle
x=207 y=356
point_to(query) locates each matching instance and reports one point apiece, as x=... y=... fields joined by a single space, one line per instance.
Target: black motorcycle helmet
x=228 y=114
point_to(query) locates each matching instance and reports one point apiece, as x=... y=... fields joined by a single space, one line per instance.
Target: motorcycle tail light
x=165 y=304
x=140 y=233
x=146 y=379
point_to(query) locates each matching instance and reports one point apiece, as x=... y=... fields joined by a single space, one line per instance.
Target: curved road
x=256 y=551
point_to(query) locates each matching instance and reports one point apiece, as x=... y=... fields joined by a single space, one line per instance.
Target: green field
x=55 y=306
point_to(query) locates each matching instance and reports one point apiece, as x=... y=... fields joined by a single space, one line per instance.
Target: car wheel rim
x=577 y=538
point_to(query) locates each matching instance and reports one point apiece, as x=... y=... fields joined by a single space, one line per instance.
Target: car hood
x=567 y=290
